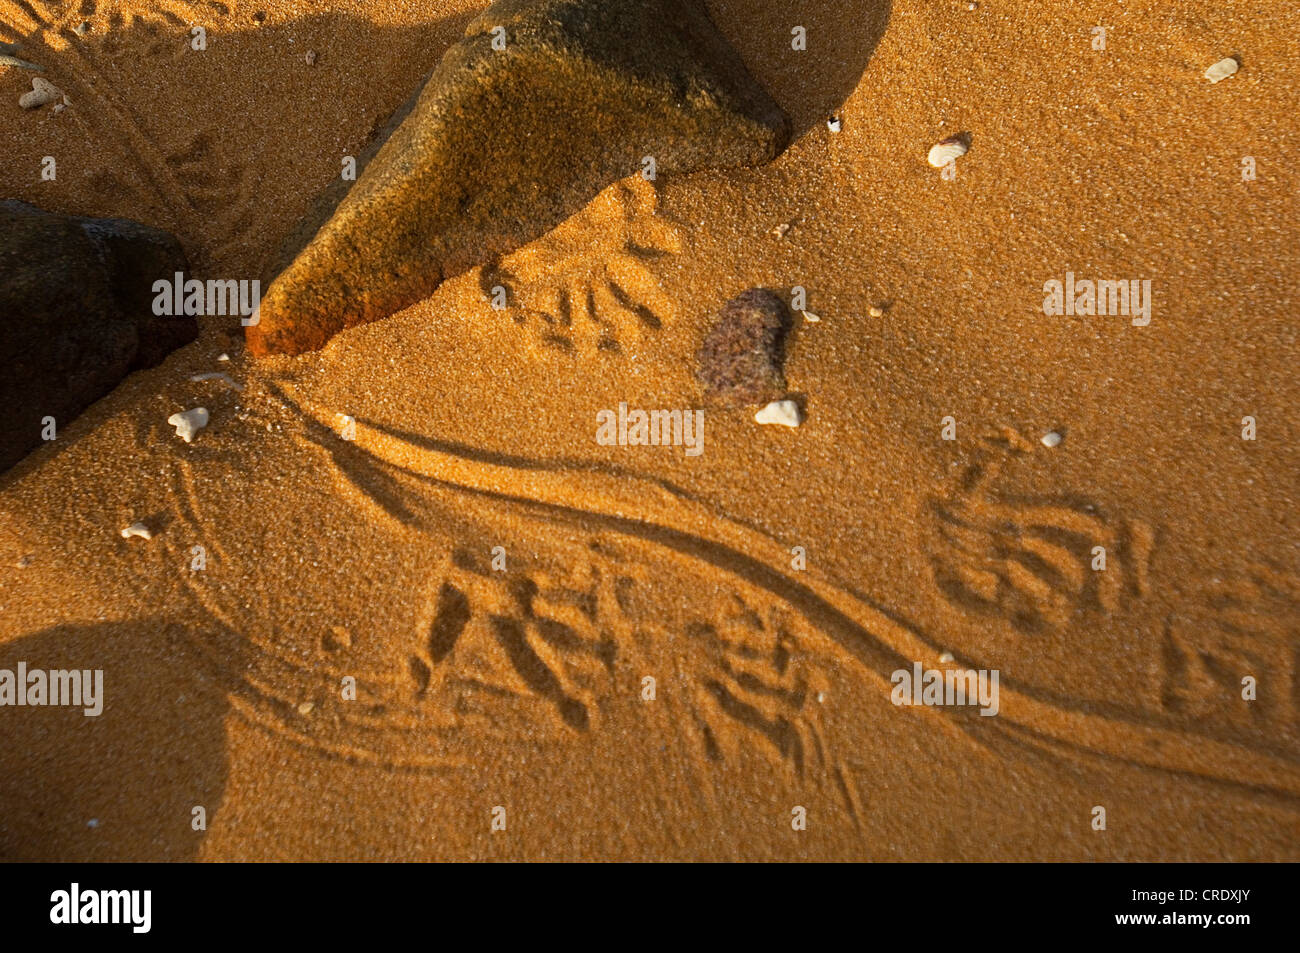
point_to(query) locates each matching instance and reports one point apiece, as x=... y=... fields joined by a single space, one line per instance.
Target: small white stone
x=945 y=658
x=137 y=529
x=809 y=316
x=224 y=357
x=1051 y=439
x=875 y=312
x=942 y=153
x=835 y=124
x=42 y=92
x=783 y=412
x=821 y=698
x=1221 y=70
x=92 y=823
x=306 y=708
x=189 y=423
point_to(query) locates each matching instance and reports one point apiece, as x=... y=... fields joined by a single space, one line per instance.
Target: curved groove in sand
x=85 y=84
x=261 y=700
x=651 y=511
x=110 y=119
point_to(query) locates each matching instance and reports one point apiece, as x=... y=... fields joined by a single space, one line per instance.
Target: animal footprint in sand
x=493 y=635
x=1035 y=563
x=192 y=183
x=591 y=283
x=1244 y=625
x=214 y=184
x=753 y=686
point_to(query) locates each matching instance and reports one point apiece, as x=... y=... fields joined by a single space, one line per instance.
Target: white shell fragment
x=1051 y=439
x=7 y=58
x=137 y=529
x=223 y=357
x=809 y=316
x=189 y=423
x=835 y=124
x=945 y=658
x=216 y=376
x=783 y=412
x=941 y=153
x=42 y=92
x=1221 y=70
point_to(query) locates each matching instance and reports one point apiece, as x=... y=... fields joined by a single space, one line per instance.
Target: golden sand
x=523 y=687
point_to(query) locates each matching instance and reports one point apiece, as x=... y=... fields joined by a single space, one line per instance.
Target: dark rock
x=76 y=315
x=504 y=144
x=742 y=358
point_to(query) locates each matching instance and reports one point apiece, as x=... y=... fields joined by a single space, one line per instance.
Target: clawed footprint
x=589 y=284
x=752 y=686
x=1035 y=563
x=522 y=633
x=1243 y=626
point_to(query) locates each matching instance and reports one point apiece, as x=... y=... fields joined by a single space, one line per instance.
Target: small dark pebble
x=742 y=358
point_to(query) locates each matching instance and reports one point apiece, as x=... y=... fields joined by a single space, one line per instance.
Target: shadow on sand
x=122 y=785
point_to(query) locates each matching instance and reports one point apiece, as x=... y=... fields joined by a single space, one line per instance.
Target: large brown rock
x=503 y=145
x=76 y=315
